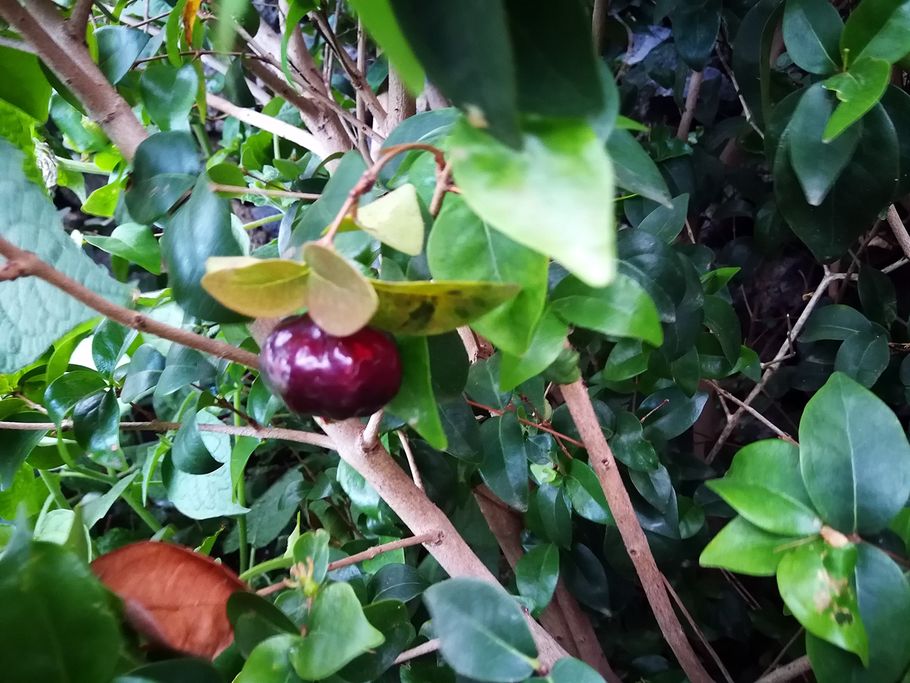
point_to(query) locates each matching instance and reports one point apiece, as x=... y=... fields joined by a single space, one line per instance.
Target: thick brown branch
x=788 y=672
x=78 y=20
x=688 y=115
x=22 y=263
x=601 y=459
x=42 y=26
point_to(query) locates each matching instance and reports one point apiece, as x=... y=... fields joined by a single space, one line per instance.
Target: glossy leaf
x=96 y=422
x=695 y=26
x=254 y=619
x=877 y=29
x=118 y=48
x=746 y=549
x=811 y=31
x=258 y=288
x=877 y=295
x=397 y=582
x=835 y=321
x=858 y=89
x=393 y=620
x=199 y=230
x=66 y=391
x=586 y=494
x=666 y=222
x=169 y=94
x=553 y=196
x=189 y=452
x=17 y=445
x=864 y=355
x=24 y=85
x=164 y=170
x=395 y=219
x=269 y=662
x=337 y=632
x=420 y=307
x=816 y=582
x=505 y=465
x=547 y=341
x=482 y=632
x=536 y=574
x=635 y=171
x=132 y=242
x=630 y=446
x=854 y=457
x=415 y=402
x=379 y=21
x=462 y=245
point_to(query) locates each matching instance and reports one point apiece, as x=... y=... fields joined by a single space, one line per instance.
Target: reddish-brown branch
x=530 y=423
x=601 y=459
x=21 y=263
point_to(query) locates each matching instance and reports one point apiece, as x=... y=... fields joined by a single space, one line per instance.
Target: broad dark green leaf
x=484 y=84
x=169 y=94
x=24 y=84
x=272 y=512
x=393 y=620
x=269 y=662
x=397 y=582
x=550 y=505
x=764 y=485
x=818 y=164
x=695 y=26
x=118 y=48
x=586 y=494
x=17 y=444
x=877 y=295
x=109 y=342
x=547 y=341
x=536 y=574
x=635 y=171
x=189 y=452
x=897 y=105
x=96 y=422
x=628 y=358
x=878 y=29
x=45 y=590
x=835 y=321
x=184 y=366
x=666 y=222
x=164 y=169
x=746 y=549
x=183 y=670
x=884 y=604
x=862 y=190
x=505 y=464
x=482 y=632
x=132 y=242
x=337 y=632
x=462 y=246
x=673 y=412
x=858 y=89
x=448 y=365
x=751 y=56
x=811 y=31
x=415 y=402
x=816 y=582
x=623 y=309
x=854 y=457
x=94 y=510
x=35 y=314
x=254 y=620
x=199 y=230
x=556 y=70
x=554 y=195
x=630 y=446
x=67 y=390
x=483 y=383
x=864 y=355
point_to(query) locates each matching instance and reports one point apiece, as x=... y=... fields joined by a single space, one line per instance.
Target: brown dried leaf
x=181 y=595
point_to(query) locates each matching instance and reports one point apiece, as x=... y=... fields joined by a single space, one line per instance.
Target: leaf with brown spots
x=174 y=596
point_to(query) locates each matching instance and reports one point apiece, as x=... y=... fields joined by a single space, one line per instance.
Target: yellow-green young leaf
x=554 y=195
x=421 y=307
x=339 y=298
x=259 y=288
x=395 y=219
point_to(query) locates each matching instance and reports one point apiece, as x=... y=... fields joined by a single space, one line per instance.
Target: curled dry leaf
x=174 y=596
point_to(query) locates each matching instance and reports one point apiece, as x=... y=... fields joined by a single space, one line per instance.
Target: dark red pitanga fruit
x=316 y=373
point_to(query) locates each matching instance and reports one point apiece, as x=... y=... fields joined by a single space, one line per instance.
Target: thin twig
x=262 y=121
x=899 y=230
x=419 y=651
x=412 y=463
x=688 y=115
x=530 y=423
x=262 y=191
x=754 y=413
x=788 y=672
x=21 y=263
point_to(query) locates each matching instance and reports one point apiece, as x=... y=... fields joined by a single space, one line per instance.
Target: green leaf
x=623 y=309
x=536 y=574
x=666 y=222
x=415 y=402
x=189 y=452
x=118 y=48
x=392 y=618
x=484 y=82
x=877 y=295
x=635 y=171
x=744 y=548
x=103 y=201
x=255 y=620
x=448 y=365
x=763 y=485
x=859 y=89
x=258 y=288
x=35 y=313
x=184 y=366
x=547 y=341
x=897 y=105
x=505 y=464
x=380 y=23
x=95 y=510
x=395 y=219
x=864 y=355
x=425 y=308
x=109 y=342
x=66 y=391
x=876 y=29
x=17 y=444
x=338 y=297
x=835 y=321
x=313 y=546
x=722 y=321
x=482 y=632
x=462 y=245
x=671 y=412
x=169 y=94
x=554 y=195
x=96 y=422
x=586 y=494
x=429 y=127
x=337 y=632
x=818 y=163
x=183 y=670
x=884 y=603
x=863 y=189
x=630 y=446
x=854 y=457
x=45 y=591
x=164 y=169
x=816 y=582
x=570 y=670
x=272 y=511
x=199 y=230
x=397 y=582
x=269 y=662
x=812 y=30
x=695 y=26
x=24 y=84
x=556 y=70
x=132 y=242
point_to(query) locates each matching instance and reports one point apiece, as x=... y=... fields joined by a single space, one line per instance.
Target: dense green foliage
x=705 y=206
